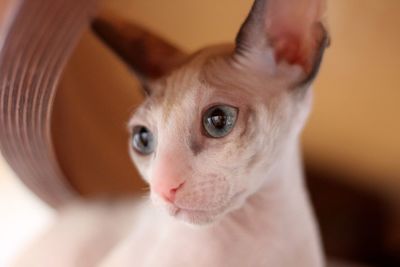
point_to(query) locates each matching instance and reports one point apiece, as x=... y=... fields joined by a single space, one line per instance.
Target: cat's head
x=214 y=123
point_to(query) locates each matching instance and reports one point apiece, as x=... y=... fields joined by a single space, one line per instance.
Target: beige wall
x=356 y=122
x=355 y=125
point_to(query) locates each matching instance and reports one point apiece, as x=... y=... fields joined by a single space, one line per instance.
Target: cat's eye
x=142 y=140
x=218 y=121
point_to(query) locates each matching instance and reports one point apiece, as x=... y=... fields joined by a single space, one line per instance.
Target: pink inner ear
x=292 y=28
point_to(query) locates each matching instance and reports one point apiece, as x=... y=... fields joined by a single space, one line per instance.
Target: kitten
x=217 y=140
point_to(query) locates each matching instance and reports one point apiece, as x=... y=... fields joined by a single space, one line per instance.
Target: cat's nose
x=168 y=189
x=168 y=175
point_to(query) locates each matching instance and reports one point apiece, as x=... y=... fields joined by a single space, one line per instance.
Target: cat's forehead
x=194 y=85
x=209 y=77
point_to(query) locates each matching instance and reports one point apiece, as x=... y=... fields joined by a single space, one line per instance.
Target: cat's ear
x=146 y=53
x=289 y=32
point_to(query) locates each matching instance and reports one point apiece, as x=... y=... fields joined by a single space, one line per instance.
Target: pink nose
x=167 y=189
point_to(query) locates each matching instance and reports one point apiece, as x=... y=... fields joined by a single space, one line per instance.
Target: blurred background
x=351 y=143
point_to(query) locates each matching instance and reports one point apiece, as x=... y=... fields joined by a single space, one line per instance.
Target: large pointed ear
x=292 y=31
x=147 y=54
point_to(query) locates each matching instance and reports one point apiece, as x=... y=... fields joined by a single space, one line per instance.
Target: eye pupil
x=218 y=118
x=144 y=137
x=142 y=140
x=218 y=121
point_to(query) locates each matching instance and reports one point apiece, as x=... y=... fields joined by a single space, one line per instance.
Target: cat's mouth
x=204 y=216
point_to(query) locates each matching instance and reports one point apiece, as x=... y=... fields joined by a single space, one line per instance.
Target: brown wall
x=94 y=101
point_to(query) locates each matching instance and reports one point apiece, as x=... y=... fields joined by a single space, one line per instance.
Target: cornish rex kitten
x=217 y=140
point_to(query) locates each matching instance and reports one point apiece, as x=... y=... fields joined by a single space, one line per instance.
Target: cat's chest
x=160 y=242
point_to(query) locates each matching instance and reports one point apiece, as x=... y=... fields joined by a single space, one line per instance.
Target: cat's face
x=209 y=133
x=211 y=130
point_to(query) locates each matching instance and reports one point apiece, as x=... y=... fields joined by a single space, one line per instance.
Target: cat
x=217 y=140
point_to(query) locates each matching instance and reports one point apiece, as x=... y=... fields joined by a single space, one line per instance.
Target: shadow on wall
x=356 y=225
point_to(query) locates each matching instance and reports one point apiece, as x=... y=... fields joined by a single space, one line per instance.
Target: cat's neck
x=280 y=213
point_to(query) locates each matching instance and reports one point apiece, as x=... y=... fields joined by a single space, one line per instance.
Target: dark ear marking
x=146 y=88
x=250 y=26
x=146 y=53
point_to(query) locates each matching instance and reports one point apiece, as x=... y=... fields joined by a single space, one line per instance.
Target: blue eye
x=218 y=121
x=142 y=140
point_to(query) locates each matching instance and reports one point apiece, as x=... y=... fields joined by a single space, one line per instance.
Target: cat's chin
x=195 y=217
x=204 y=217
